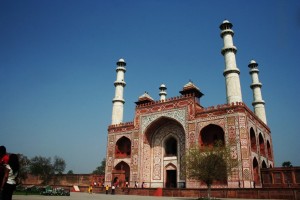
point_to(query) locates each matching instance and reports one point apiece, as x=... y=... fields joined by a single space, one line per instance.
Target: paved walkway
x=86 y=196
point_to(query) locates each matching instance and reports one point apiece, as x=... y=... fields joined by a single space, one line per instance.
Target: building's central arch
x=164 y=147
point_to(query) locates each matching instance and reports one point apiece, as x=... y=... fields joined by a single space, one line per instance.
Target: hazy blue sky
x=58 y=61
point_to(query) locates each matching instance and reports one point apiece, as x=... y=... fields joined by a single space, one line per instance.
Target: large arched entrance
x=164 y=143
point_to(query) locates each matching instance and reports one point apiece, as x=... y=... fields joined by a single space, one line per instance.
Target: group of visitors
x=9 y=168
x=113 y=188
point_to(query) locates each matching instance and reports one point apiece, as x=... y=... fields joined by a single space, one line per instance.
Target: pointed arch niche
x=255 y=171
x=269 y=150
x=123 y=148
x=170 y=146
x=263 y=165
x=253 y=140
x=261 y=145
x=121 y=174
x=164 y=142
x=210 y=134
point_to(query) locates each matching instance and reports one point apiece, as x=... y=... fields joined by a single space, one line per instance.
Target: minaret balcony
x=229 y=71
x=258 y=102
x=121 y=68
x=118 y=100
x=123 y=83
x=254 y=85
x=254 y=70
x=228 y=49
x=226 y=31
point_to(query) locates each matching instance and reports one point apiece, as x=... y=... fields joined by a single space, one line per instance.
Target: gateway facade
x=149 y=151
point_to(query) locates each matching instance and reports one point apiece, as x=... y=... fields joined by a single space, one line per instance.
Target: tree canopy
x=44 y=168
x=100 y=169
x=287 y=164
x=209 y=164
x=24 y=167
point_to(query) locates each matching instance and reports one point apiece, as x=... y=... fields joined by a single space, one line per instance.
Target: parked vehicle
x=49 y=191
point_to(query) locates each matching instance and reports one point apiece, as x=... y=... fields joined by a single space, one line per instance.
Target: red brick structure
x=187 y=123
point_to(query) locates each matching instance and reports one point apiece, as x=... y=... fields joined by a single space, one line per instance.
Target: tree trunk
x=208 y=190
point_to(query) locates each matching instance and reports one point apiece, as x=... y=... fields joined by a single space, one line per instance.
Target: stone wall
x=245 y=193
x=287 y=177
x=67 y=180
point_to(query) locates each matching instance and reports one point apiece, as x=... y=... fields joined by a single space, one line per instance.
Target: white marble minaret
x=118 y=101
x=258 y=103
x=163 y=92
x=231 y=72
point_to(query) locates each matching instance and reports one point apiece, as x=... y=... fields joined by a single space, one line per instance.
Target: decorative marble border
x=178 y=114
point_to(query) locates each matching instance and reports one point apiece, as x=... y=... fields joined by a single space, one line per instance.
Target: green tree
x=100 y=169
x=59 y=165
x=70 y=172
x=45 y=169
x=41 y=167
x=24 y=167
x=209 y=164
x=287 y=164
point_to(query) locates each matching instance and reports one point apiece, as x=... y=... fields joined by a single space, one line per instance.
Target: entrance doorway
x=171 y=176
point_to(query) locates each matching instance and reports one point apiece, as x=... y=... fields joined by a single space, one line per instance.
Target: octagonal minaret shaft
x=231 y=72
x=118 y=101
x=258 y=103
x=163 y=92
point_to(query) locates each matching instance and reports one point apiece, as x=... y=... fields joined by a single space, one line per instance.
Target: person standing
x=90 y=189
x=106 y=189
x=9 y=182
x=3 y=161
x=3 y=155
x=113 y=189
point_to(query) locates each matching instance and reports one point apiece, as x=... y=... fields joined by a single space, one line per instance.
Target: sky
x=58 y=61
